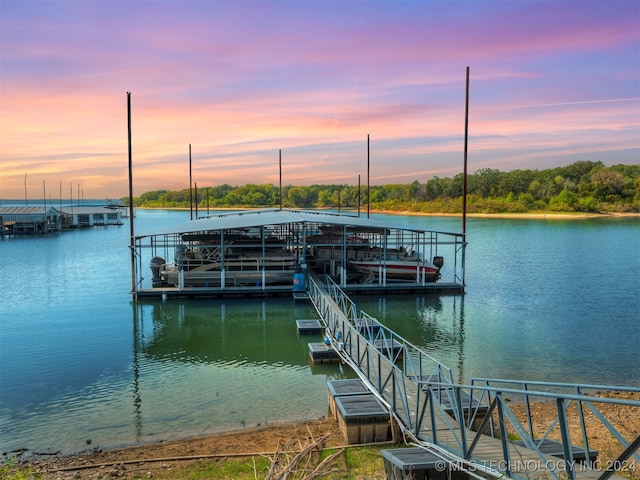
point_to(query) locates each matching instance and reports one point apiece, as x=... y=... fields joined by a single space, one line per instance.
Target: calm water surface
x=546 y=300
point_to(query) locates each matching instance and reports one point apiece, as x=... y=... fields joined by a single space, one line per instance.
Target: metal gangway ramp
x=473 y=427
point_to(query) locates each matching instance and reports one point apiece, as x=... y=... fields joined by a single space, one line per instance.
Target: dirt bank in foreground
x=264 y=441
x=161 y=459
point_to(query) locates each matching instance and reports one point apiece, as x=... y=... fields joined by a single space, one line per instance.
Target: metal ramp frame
x=471 y=427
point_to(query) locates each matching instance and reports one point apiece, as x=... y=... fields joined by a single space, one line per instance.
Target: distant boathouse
x=16 y=220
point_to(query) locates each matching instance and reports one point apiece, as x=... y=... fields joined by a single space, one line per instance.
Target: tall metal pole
x=44 y=198
x=60 y=205
x=464 y=182
x=195 y=196
x=464 y=177
x=280 y=170
x=368 y=187
x=190 y=186
x=132 y=239
x=358 y=195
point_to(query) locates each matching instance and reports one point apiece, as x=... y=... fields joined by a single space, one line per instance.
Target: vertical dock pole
x=280 y=172
x=190 y=186
x=132 y=242
x=368 y=185
x=464 y=177
x=195 y=196
x=464 y=182
x=359 y=196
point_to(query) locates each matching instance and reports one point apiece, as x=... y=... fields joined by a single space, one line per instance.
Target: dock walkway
x=467 y=426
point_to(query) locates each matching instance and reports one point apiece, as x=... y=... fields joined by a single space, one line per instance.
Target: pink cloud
x=241 y=80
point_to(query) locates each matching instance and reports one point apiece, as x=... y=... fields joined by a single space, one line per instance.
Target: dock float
x=367 y=326
x=417 y=463
x=300 y=296
x=444 y=396
x=554 y=448
x=391 y=346
x=323 y=353
x=310 y=327
x=363 y=419
x=343 y=388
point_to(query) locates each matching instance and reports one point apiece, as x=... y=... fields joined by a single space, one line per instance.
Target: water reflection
x=434 y=323
x=228 y=361
x=459 y=328
x=135 y=366
x=232 y=332
x=263 y=332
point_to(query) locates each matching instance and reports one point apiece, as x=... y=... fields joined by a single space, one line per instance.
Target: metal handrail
x=438 y=413
x=565 y=395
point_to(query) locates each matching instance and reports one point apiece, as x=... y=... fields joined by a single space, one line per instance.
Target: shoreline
x=164 y=458
x=518 y=216
x=407 y=213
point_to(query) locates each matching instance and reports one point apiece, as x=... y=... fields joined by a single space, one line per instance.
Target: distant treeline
x=580 y=187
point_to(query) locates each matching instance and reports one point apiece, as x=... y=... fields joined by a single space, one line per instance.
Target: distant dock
x=16 y=220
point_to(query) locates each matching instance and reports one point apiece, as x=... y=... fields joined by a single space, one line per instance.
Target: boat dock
x=273 y=252
x=287 y=291
x=457 y=430
x=42 y=219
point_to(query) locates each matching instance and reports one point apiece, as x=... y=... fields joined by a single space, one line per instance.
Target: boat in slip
x=370 y=259
x=206 y=266
x=409 y=268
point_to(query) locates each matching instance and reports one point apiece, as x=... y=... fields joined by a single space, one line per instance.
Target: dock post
x=132 y=242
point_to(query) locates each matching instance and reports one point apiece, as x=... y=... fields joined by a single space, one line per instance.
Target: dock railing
x=572 y=405
x=490 y=429
x=474 y=426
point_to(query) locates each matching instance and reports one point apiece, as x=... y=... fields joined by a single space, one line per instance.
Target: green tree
x=607 y=183
x=584 y=186
x=300 y=197
x=516 y=182
x=484 y=182
x=564 y=201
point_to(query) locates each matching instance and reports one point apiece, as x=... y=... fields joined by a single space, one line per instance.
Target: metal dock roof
x=25 y=211
x=256 y=218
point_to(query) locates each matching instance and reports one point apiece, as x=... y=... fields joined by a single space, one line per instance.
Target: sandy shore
x=165 y=459
x=532 y=216
x=524 y=215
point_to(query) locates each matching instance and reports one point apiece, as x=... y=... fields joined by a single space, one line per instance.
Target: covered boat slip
x=270 y=252
x=15 y=220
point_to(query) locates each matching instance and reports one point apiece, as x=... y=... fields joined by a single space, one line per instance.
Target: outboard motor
x=438 y=262
x=156 y=264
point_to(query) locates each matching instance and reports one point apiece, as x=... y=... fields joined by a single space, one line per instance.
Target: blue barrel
x=298 y=282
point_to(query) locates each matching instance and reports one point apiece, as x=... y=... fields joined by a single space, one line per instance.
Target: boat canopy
x=262 y=217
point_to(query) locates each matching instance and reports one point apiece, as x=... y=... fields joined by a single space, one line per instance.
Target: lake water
x=548 y=300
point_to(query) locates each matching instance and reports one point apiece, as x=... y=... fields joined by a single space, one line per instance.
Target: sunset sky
x=551 y=83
